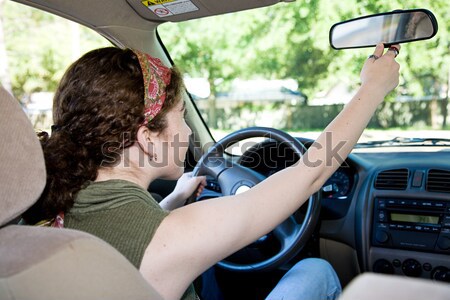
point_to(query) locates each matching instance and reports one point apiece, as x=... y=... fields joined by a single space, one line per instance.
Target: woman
x=119 y=125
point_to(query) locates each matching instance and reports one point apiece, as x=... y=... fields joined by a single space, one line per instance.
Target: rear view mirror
x=395 y=27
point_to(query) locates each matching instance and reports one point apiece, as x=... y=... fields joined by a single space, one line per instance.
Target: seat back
x=50 y=263
x=372 y=286
x=22 y=176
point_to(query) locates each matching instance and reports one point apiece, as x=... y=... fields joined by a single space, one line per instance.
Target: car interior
x=382 y=220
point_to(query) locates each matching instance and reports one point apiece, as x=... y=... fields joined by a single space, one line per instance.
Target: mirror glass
x=390 y=28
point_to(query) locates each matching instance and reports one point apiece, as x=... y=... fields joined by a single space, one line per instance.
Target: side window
x=35 y=50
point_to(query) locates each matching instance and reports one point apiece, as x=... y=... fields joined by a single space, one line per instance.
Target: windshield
x=274 y=67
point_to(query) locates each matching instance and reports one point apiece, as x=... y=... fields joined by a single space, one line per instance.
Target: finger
x=202 y=180
x=398 y=46
x=200 y=183
x=199 y=191
x=393 y=50
x=378 y=50
x=196 y=179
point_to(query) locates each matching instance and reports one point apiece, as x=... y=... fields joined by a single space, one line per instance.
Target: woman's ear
x=146 y=140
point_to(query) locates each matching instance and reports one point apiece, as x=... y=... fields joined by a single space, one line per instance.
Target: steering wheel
x=234 y=178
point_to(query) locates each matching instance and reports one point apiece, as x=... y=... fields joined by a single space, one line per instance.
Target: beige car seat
x=49 y=263
x=372 y=286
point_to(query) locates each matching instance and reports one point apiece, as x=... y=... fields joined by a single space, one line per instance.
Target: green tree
x=199 y=56
x=290 y=38
x=5 y=79
x=41 y=45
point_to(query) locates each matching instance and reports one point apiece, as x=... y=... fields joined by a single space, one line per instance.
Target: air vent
x=392 y=180
x=438 y=181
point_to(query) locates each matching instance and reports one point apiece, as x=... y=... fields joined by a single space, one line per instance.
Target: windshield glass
x=274 y=67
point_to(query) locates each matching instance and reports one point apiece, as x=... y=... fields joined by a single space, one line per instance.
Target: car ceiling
x=132 y=13
x=127 y=23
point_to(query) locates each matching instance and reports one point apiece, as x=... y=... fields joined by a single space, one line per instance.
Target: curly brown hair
x=99 y=101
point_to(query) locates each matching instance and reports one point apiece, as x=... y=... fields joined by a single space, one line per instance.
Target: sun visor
x=181 y=10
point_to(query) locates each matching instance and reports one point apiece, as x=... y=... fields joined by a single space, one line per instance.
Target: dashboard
x=390 y=206
x=401 y=211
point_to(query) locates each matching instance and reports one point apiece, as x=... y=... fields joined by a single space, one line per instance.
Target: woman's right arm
x=192 y=238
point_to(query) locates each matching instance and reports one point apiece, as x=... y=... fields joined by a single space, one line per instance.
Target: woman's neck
x=129 y=168
x=138 y=177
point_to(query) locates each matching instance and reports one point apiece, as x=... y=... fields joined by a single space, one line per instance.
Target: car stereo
x=422 y=225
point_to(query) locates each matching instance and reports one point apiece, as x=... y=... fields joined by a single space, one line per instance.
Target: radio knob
x=383 y=266
x=444 y=243
x=381 y=236
x=412 y=268
x=441 y=274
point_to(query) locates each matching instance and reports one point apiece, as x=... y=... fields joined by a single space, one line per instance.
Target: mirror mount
x=395 y=27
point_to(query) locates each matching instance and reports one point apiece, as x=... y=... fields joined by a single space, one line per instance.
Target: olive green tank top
x=120 y=213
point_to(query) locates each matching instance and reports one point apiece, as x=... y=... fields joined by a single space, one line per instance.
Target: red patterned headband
x=156 y=78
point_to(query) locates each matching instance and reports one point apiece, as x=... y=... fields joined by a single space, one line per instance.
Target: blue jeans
x=309 y=279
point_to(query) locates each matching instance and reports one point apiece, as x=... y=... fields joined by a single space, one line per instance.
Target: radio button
x=412 y=267
x=391 y=202
x=381 y=236
x=418 y=228
x=441 y=273
x=427 y=267
x=446 y=222
x=443 y=243
x=435 y=229
x=382 y=226
x=397 y=263
x=383 y=266
x=393 y=226
x=439 y=204
x=382 y=216
x=417 y=178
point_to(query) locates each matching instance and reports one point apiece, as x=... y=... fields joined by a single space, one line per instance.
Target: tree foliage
x=40 y=47
x=288 y=40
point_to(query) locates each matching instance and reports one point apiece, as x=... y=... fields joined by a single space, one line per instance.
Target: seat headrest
x=22 y=175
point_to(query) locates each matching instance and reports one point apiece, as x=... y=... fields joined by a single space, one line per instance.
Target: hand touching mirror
x=390 y=28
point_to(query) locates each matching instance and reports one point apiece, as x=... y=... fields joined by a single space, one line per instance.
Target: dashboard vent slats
x=438 y=181
x=396 y=179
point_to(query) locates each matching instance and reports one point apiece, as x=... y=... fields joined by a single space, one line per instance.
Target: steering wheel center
x=241 y=187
